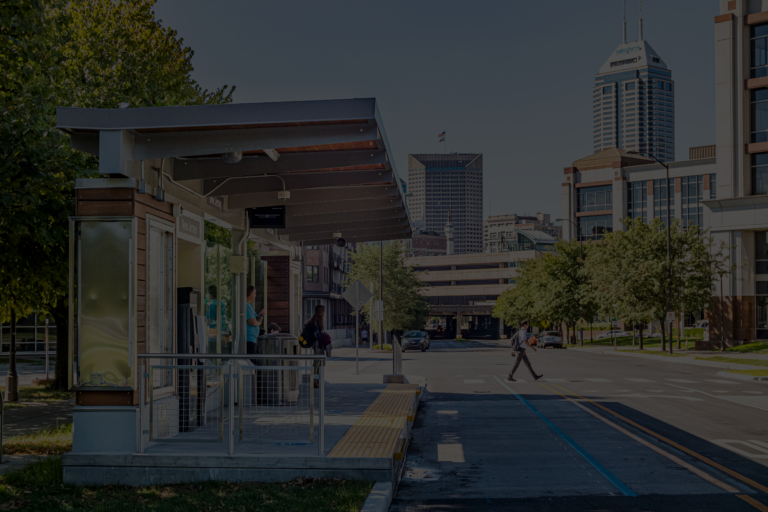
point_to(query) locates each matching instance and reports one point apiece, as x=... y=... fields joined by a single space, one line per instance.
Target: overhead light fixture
x=233 y=157
x=284 y=194
x=271 y=153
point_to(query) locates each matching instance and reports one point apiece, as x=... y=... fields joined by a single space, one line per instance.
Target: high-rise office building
x=633 y=101
x=443 y=183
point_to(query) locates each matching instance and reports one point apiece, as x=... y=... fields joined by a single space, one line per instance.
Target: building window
x=313 y=273
x=594 y=199
x=607 y=90
x=692 y=195
x=660 y=200
x=713 y=186
x=630 y=86
x=761 y=252
x=637 y=200
x=595 y=227
x=759 y=115
x=760 y=174
x=759 y=60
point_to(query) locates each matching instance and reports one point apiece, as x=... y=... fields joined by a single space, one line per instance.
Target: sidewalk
x=686 y=357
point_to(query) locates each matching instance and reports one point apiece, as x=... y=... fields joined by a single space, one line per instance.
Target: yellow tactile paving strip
x=375 y=433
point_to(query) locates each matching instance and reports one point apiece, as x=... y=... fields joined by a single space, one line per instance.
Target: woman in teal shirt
x=254 y=321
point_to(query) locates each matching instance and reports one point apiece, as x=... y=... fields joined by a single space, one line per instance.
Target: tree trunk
x=641 y=337
x=61 y=317
x=663 y=336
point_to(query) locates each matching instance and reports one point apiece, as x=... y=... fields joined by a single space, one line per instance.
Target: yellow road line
x=752 y=501
x=690 y=452
x=658 y=450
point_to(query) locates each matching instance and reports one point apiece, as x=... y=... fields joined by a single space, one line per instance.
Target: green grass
x=721 y=359
x=40 y=487
x=750 y=348
x=41 y=394
x=754 y=373
x=653 y=352
x=48 y=441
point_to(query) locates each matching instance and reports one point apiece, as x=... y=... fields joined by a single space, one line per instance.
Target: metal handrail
x=295 y=357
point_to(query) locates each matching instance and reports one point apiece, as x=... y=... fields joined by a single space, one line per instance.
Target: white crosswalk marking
x=683 y=381
x=640 y=380
x=721 y=381
x=598 y=380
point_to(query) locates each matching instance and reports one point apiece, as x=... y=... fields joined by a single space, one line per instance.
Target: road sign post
x=356 y=295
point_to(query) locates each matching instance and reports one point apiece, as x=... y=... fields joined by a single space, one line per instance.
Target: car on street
x=550 y=339
x=415 y=340
x=612 y=334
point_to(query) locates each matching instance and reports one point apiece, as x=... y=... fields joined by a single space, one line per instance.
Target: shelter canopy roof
x=332 y=156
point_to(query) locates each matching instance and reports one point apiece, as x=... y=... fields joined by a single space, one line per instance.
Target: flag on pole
x=441 y=137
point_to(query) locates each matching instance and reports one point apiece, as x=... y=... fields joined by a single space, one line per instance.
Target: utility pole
x=669 y=227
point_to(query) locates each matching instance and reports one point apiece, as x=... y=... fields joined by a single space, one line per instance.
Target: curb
x=379 y=499
x=740 y=376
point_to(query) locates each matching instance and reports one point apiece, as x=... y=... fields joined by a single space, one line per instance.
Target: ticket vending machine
x=191 y=385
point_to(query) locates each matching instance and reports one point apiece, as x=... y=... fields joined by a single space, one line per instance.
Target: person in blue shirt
x=254 y=321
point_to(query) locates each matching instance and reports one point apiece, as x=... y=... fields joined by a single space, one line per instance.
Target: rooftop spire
x=624 y=41
x=640 y=37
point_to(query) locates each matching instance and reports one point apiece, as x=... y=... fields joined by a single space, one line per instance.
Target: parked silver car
x=415 y=340
x=550 y=339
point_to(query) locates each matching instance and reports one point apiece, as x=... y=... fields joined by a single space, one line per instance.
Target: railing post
x=142 y=376
x=311 y=401
x=231 y=429
x=321 y=434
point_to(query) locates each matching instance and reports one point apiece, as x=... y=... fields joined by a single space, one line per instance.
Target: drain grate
x=482 y=392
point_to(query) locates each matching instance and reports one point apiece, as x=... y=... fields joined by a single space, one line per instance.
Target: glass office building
x=633 y=103
x=443 y=183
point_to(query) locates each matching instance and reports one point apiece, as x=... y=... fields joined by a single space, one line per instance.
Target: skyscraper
x=633 y=101
x=438 y=183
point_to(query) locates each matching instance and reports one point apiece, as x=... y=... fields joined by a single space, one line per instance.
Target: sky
x=511 y=79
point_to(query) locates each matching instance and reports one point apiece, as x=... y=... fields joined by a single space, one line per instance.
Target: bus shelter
x=147 y=280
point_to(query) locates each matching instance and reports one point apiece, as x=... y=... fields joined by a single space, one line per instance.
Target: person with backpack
x=519 y=343
x=313 y=335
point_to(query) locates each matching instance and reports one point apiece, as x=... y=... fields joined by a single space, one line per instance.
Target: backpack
x=518 y=341
x=307 y=336
x=325 y=340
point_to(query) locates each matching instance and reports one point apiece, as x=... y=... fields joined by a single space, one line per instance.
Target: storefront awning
x=332 y=157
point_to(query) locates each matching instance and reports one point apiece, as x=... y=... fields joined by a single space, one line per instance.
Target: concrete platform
x=170 y=463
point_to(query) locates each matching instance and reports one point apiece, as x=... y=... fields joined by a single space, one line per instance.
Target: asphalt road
x=598 y=432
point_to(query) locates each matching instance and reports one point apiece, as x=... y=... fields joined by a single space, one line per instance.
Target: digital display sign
x=267 y=217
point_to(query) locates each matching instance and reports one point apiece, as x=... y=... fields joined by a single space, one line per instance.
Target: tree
x=632 y=275
x=551 y=288
x=86 y=53
x=404 y=306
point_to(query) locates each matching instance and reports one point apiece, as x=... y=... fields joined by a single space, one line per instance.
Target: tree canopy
x=404 y=306
x=82 y=53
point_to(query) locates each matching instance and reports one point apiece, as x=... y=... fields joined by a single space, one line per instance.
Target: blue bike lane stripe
x=599 y=467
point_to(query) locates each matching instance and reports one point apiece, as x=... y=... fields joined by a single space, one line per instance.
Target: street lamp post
x=669 y=246
x=581 y=258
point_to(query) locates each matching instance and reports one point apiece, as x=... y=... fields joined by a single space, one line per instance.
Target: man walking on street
x=519 y=342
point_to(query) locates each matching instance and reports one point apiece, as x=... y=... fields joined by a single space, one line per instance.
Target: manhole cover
x=482 y=392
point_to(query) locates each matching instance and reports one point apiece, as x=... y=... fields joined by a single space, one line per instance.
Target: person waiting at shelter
x=254 y=321
x=273 y=328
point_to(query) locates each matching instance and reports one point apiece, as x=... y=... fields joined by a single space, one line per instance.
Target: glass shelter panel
x=105 y=296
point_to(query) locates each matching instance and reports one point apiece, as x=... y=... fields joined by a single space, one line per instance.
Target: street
x=598 y=432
